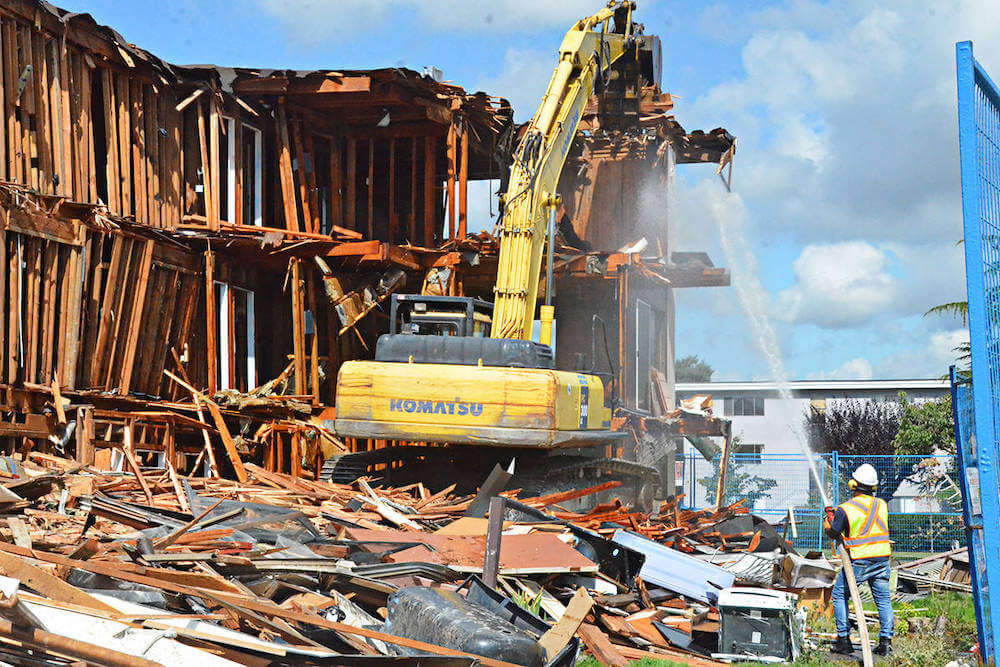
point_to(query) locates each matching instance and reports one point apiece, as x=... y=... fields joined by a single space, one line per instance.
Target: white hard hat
x=866 y=475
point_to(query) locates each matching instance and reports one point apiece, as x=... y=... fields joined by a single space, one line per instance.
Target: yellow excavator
x=464 y=372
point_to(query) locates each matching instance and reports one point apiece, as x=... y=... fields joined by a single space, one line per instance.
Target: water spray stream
x=750 y=291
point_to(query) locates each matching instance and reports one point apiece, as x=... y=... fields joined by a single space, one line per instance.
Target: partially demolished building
x=170 y=230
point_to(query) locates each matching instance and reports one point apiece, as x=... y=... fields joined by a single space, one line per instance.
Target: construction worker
x=863 y=524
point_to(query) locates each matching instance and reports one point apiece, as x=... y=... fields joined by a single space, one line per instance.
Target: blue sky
x=845 y=187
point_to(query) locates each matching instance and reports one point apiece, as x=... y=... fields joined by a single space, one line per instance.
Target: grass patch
x=921 y=647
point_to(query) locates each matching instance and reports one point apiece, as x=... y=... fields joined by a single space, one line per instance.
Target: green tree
x=739 y=482
x=925 y=427
x=692 y=369
x=958 y=310
x=855 y=427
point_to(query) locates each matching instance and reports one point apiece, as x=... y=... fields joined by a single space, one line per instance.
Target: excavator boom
x=586 y=54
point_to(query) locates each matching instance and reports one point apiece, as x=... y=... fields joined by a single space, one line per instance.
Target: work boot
x=884 y=646
x=843 y=645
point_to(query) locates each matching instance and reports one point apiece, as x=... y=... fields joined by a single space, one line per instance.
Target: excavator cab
x=440 y=315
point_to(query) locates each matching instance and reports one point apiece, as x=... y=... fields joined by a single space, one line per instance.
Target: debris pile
x=148 y=566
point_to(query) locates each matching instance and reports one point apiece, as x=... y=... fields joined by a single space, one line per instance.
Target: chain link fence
x=924 y=501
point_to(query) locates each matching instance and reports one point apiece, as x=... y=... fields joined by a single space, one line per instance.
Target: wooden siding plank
x=136 y=327
x=300 y=168
x=210 y=318
x=285 y=168
x=137 y=135
x=124 y=120
x=15 y=297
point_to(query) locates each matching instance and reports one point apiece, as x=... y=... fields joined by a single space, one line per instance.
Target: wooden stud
x=106 y=309
x=120 y=330
x=111 y=132
x=371 y=188
x=8 y=45
x=188 y=309
x=298 y=328
x=5 y=308
x=214 y=215
x=140 y=176
x=310 y=170
x=48 y=276
x=85 y=435
x=73 y=313
x=173 y=299
x=33 y=262
x=206 y=170
x=285 y=168
x=392 y=190
x=125 y=166
x=314 y=347
x=133 y=463
x=452 y=142
x=151 y=141
x=88 y=155
x=210 y=317
x=220 y=425
x=15 y=275
x=43 y=126
x=300 y=167
x=412 y=220
x=336 y=184
x=95 y=269
x=67 y=176
x=29 y=109
x=174 y=164
x=463 y=186
x=351 y=191
x=236 y=215
x=430 y=210
x=4 y=87
x=139 y=290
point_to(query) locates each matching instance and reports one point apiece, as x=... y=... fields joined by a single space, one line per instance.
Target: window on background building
x=253 y=182
x=644 y=342
x=234 y=326
x=227 y=169
x=240 y=173
x=749 y=452
x=744 y=406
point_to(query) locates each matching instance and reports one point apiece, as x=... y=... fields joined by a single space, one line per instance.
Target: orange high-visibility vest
x=868 y=527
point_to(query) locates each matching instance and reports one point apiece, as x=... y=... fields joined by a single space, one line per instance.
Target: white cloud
x=522 y=78
x=838 y=285
x=929 y=360
x=853 y=369
x=318 y=21
x=846 y=118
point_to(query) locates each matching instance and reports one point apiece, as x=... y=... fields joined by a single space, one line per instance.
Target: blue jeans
x=877 y=576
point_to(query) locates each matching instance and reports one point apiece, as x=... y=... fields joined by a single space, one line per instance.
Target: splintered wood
x=237 y=550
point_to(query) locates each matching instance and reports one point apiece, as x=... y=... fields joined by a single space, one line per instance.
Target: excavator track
x=543 y=473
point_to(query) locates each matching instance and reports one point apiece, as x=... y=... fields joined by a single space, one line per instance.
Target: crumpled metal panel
x=676 y=571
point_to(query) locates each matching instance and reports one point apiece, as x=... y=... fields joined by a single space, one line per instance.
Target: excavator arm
x=587 y=52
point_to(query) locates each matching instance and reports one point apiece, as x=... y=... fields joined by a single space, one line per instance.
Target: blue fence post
x=961 y=407
x=835 y=478
x=978 y=136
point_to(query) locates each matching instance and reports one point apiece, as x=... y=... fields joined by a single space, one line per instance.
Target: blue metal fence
x=977 y=410
x=922 y=493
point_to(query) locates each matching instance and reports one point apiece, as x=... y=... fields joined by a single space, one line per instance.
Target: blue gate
x=977 y=409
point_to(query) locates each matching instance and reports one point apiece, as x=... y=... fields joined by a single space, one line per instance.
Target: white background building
x=771 y=426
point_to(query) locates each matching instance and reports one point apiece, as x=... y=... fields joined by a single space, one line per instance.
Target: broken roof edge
x=84 y=31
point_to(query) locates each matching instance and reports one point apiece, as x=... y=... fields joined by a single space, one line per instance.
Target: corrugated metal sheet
x=676 y=571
